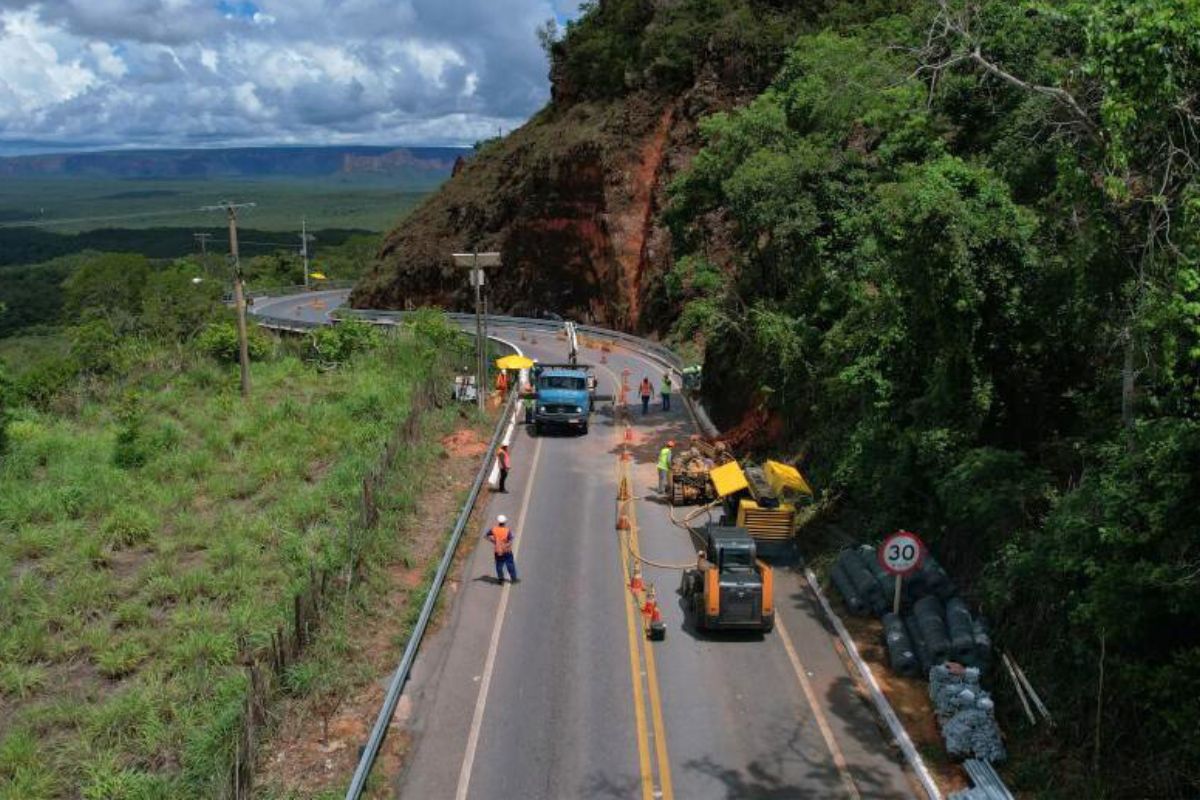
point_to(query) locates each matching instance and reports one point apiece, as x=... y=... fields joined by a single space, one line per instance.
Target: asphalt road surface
x=548 y=688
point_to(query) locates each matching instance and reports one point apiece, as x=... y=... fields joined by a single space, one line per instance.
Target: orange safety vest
x=504 y=459
x=501 y=540
x=646 y=390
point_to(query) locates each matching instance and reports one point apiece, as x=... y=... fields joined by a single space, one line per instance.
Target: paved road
x=547 y=689
x=311 y=307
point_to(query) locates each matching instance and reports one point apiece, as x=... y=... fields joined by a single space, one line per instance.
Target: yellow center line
x=635 y=673
x=635 y=670
x=660 y=731
x=636 y=635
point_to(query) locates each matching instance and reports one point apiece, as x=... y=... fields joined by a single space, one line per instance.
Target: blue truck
x=564 y=397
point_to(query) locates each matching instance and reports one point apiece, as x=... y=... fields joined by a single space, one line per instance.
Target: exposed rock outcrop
x=570 y=199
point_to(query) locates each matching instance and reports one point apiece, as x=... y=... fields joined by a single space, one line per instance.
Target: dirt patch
x=464 y=443
x=908 y=696
x=297 y=760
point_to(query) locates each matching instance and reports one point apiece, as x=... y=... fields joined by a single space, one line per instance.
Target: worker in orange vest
x=502 y=382
x=504 y=462
x=646 y=391
x=502 y=543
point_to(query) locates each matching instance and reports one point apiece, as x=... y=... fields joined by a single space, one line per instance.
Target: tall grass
x=129 y=586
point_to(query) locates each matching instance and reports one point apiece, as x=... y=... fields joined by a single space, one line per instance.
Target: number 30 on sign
x=901 y=553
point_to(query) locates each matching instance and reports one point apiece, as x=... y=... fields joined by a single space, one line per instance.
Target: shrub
x=219 y=340
x=21 y=680
x=93 y=345
x=43 y=380
x=127 y=526
x=120 y=658
x=336 y=344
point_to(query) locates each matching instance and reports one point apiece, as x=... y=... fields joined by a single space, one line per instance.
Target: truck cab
x=563 y=398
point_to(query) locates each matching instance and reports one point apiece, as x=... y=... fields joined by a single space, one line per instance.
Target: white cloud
x=33 y=71
x=107 y=60
x=177 y=72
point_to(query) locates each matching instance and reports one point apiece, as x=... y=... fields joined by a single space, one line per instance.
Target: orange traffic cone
x=624 y=454
x=656 y=629
x=635 y=582
x=623 y=522
x=628 y=434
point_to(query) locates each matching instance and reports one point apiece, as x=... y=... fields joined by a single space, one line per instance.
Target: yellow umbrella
x=514 y=362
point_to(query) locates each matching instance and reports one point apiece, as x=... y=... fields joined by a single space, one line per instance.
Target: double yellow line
x=641 y=651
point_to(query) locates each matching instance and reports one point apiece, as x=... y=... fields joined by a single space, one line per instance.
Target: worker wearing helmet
x=501 y=538
x=664 y=466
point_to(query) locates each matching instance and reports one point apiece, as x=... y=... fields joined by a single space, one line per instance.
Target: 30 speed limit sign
x=901 y=553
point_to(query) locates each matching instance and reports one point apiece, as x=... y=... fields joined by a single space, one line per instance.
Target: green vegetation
x=365 y=202
x=154 y=526
x=619 y=45
x=39 y=297
x=957 y=257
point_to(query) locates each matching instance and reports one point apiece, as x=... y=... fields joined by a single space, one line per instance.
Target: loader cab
x=731 y=549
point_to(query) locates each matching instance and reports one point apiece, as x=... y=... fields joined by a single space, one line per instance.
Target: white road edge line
x=464 y=774
x=839 y=760
x=494 y=475
x=877 y=696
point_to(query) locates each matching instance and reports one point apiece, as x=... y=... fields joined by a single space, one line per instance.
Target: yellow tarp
x=728 y=479
x=784 y=477
x=514 y=362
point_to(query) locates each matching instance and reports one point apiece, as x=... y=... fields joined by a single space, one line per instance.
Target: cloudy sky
x=195 y=73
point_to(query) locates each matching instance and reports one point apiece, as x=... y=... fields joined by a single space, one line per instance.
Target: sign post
x=476 y=262
x=900 y=554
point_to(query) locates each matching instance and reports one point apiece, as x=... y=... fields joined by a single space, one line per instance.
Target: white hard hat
x=502 y=519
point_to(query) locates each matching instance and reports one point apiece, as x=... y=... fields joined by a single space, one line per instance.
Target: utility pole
x=304 y=237
x=476 y=262
x=203 y=238
x=239 y=292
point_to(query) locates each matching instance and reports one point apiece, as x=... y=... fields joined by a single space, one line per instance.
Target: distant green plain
x=73 y=204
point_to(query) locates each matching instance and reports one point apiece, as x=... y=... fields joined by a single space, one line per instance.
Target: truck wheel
x=537 y=429
x=583 y=430
x=698 y=611
x=768 y=624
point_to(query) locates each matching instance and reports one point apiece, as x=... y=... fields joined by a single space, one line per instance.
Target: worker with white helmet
x=501 y=538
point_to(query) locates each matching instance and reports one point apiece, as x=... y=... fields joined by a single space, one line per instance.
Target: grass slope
x=126 y=593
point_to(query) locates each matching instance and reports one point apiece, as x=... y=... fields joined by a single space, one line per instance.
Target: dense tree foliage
x=615 y=46
x=954 y=250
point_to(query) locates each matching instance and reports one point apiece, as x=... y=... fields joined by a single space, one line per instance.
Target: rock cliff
x=571 y=199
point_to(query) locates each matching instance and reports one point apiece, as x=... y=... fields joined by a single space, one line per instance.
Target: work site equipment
x=763 y=500
x=729 y=588
x=688 y=479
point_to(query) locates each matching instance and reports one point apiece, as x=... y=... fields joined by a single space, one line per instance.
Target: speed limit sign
x=901 y=552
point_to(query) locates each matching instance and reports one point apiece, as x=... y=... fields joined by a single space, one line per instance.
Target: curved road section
x=548 y=688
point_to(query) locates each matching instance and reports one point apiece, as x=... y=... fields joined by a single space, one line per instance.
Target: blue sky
x=191 y=73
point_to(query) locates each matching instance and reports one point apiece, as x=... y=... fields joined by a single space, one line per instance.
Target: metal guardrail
x=400 y=677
